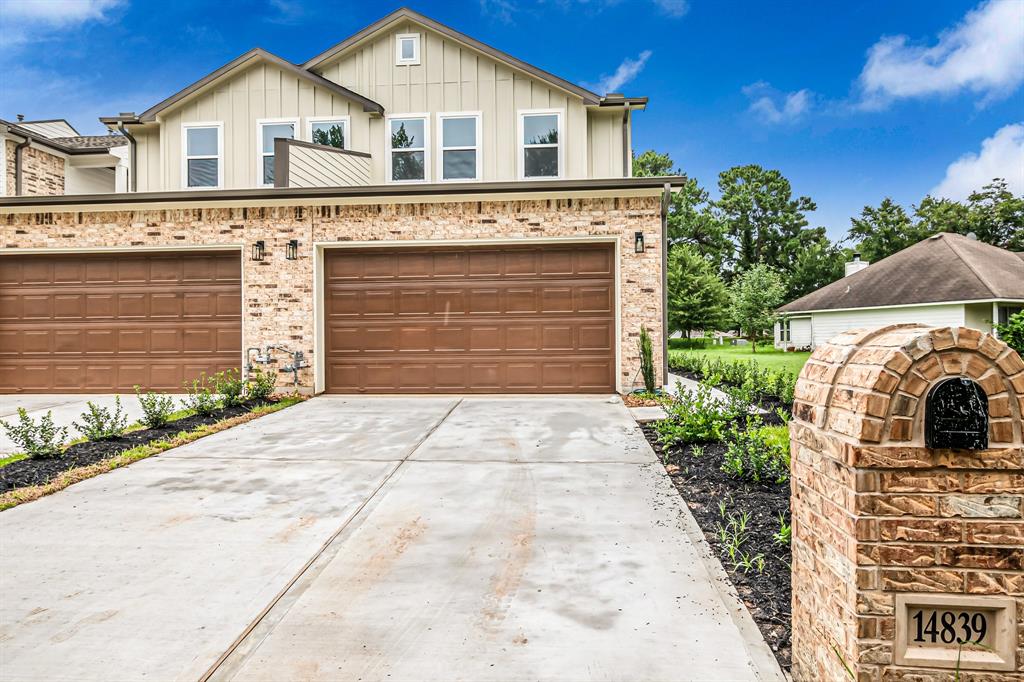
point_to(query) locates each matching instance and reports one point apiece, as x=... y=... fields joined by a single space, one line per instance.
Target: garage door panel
x=492 y=319
x=105 y=322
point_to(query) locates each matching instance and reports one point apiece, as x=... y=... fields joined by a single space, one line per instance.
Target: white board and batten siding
x=452 y=78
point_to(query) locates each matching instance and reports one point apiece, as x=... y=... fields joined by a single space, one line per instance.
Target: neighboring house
x=945 y=280
x=412 y=210
x=51 y=158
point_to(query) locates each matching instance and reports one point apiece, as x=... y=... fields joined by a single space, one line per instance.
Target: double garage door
x=509 y=319
x=97 y=323
x=412 y=320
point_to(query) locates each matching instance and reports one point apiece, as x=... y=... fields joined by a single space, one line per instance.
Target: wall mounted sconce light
x=638 y=242
x=291 y=251
x=258 y=249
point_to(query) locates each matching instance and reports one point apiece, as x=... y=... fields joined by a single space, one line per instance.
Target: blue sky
x=853 y=101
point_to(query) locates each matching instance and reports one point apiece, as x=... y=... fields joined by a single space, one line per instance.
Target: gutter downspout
x=18 y=165
x=132 y=155
x=627 y=145
x=666 y=200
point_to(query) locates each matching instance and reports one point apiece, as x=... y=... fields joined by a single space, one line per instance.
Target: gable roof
x=944 y=267
x=251 y=57
x=407 y=14
x=50 y=127
x=78 y=144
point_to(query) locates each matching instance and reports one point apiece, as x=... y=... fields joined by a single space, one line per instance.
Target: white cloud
x=771 y=106
x=673 y=8
x=627 y=71
x=25 y=21
x=983 y=54
x=1001 y=156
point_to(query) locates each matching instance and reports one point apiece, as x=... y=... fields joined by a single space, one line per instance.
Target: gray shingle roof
x=91 y=141
x=944 y=267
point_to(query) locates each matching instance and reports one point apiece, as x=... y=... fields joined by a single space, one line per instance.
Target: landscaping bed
x=715 y=498
x=39 y=471
x=730 y=463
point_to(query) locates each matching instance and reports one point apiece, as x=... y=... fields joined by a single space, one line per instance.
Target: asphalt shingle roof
x=91 y=141
x=944 y=267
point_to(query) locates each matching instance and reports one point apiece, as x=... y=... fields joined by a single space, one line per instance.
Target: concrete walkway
x=377 y=539
x=64 y=409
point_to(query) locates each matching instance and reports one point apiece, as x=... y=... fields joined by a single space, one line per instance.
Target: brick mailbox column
x=902 y=551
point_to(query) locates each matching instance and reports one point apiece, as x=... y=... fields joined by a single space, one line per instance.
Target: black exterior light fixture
x=258 y=249
x=291 y=251
x=638 y=242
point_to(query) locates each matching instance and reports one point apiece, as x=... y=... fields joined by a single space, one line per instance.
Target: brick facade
x=42 y=173
x=876 y=513
x=278 y=294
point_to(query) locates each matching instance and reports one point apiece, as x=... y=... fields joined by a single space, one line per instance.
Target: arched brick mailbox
x=908 y=524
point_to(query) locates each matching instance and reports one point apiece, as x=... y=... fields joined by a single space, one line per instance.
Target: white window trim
x=520 y=147
x=416 y=40
x=347 y=120
x=478 y=148
x=219 y=125
x=426 y=147
x=260 y=122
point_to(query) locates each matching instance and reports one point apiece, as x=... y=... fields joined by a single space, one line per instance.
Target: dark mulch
x=703 y=484
x=28 y=472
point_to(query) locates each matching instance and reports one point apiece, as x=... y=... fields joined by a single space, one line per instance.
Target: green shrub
x=156 y=408
x=689 y=344
x=98 y=423
x=229 y=385
x=1012 y=333
x=200 y=399
x=260 y=384
x=693 y=417
x=754 y=454
x=646 y=349
x=40 y=440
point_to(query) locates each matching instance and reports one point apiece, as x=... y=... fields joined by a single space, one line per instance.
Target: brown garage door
x=76 y=323
x=482 y=319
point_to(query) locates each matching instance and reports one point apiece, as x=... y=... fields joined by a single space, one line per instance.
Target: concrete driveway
x=377 y=539
x=64 y=409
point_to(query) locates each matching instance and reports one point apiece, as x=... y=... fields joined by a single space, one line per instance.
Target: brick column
x=876 y=514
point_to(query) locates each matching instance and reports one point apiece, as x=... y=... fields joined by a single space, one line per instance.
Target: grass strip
x=13 y=498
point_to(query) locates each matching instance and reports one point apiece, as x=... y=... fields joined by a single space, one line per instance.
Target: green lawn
x=766 y=356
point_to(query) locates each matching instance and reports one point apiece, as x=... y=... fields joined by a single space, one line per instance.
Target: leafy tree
x=697 y=297
x=1012 y=333
x=815 y=266
x=755 y=294
x=692 y=222
x=997 y=216
x=652 y=164
x=760 y=214
x=881 y=232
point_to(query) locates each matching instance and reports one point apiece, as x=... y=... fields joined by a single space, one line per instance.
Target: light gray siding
x=310 y=167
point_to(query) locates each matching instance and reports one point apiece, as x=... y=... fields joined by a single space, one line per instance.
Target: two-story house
x=412 y=210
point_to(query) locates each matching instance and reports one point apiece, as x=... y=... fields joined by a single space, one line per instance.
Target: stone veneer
x=875 y=513
x=278 y=294
x=42 y=173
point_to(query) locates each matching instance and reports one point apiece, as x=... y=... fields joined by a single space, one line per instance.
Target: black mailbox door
x=956 y=416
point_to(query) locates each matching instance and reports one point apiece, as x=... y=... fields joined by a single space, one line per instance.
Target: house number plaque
x=938 y=630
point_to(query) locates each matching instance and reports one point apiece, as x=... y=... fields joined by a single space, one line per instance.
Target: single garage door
x=526 y=319
x=96 y=323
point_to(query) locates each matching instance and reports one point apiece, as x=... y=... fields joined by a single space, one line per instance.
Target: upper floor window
x=408 y=148
x=203 y=160
x=407 y=49
x=540 y=150
x=331 y=132
x=268 y=130
x=460 y=146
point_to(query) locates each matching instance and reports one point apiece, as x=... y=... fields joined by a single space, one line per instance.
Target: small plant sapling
x=38 y=441
x=99 y=423
x=156 y=408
